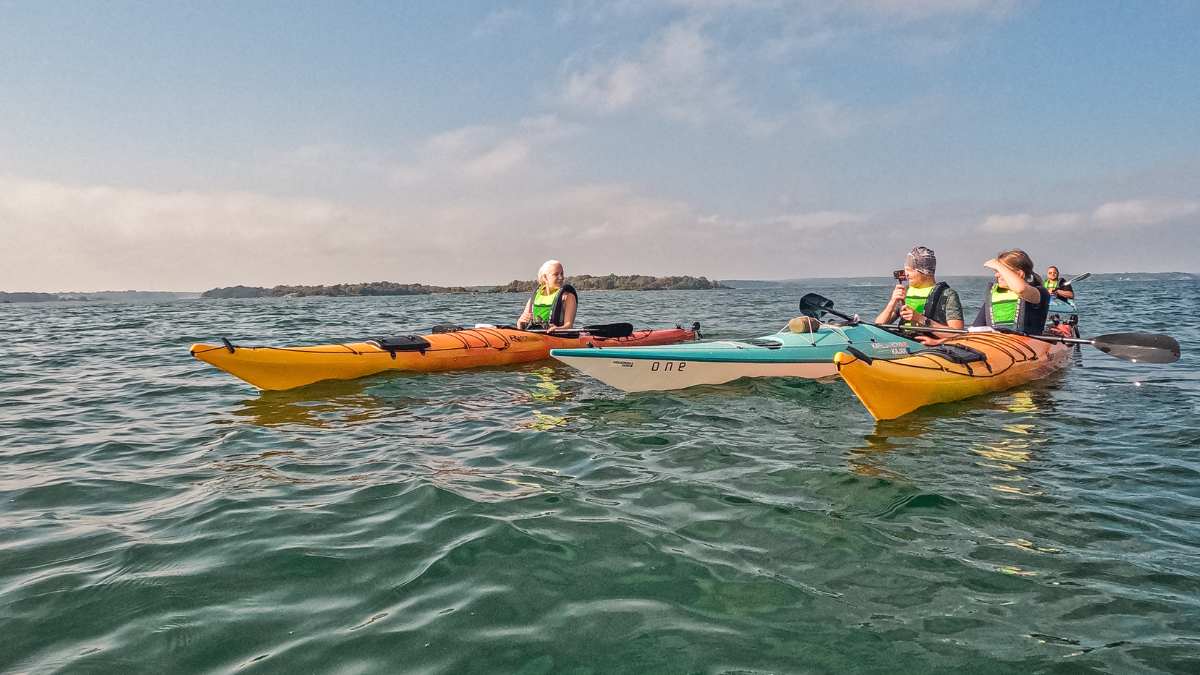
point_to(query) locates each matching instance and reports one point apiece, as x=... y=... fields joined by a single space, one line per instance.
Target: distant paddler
x=553 y=304
x=919 y=299
x=1058 y=288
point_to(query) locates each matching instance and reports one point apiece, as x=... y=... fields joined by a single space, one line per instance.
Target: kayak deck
x=890 y=388
x=278 y=368
x=784 y=354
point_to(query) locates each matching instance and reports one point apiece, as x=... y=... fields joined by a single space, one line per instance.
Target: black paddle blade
x=1139 y=347
x=814 y=305
x=609 y=330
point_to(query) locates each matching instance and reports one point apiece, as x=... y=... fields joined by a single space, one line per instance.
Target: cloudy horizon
x=185 y=148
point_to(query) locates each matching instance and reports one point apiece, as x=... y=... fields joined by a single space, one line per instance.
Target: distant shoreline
x=582 y=283
x=97 y=296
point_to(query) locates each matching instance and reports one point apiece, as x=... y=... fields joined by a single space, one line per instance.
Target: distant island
x=583 y=282
x=119 y=296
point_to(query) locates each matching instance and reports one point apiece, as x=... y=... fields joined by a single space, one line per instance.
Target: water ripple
x=158 y=515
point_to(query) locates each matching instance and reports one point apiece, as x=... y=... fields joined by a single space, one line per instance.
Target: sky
x=189 y=145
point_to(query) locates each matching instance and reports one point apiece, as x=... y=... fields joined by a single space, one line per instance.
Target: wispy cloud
x=1143 y=212
x=481 y=152
x=677 y=73
x=696 y=69
x=498 y=21
x=925 y=9
x=1111 y=215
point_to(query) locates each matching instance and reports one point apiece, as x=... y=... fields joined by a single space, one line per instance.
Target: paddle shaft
x=608 y=330
x=956 y=331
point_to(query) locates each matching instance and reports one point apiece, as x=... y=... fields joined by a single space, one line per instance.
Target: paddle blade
x=1139 y=347
x=610 y=330
x=1080 y=277
x=815 y=305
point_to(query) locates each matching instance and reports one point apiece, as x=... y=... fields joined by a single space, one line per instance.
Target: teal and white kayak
x=1060 y=306
x=1064 y=312
x=783 y=354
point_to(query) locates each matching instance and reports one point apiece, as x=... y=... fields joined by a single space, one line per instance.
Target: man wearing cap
x=925 y=301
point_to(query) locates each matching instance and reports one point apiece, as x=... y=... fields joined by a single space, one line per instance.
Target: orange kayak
x=288 y=367
x=965 y=366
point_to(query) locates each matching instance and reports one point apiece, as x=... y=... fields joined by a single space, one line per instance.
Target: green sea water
x=157 y=515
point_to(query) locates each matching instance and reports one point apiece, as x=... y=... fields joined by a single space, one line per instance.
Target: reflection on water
x=546 y=390
x=487 y=485
x=325 y=405
x=1009 y=455
x=888 y=436
x=427 y=521
x=1020 y=432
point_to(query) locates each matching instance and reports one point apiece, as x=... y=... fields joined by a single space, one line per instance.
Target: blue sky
x=181 y=146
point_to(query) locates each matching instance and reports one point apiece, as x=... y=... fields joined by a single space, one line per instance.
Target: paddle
x=604 y=330
x=1081 y=277
x=1135 y=347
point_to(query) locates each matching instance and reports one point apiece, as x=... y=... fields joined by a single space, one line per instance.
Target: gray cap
x=922 y=260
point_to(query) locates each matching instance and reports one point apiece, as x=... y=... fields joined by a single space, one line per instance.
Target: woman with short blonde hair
x=553 y=303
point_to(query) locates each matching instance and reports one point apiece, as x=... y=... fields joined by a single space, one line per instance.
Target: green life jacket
x=920 y=298
x=1051 y=284
x=1004 y=307
x=543 y=305
x=547 y=309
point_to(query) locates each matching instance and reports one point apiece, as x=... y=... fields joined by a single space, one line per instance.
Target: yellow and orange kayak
x=965 y=366
x=278 y=368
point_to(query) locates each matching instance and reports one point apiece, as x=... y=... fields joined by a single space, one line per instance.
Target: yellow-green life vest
x=543 y=305
x=917 y=297
x=1004 y=307
x=1051 y=284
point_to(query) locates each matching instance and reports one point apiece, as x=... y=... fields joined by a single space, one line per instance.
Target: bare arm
x=527 y=315
x=888 y=314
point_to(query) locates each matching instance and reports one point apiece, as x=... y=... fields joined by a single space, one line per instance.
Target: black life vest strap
x=935 y=296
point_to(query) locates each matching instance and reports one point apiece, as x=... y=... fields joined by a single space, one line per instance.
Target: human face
x=554 y=277
x=1051 y=272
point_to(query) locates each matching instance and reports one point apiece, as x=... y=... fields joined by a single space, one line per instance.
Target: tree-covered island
x=582 y=282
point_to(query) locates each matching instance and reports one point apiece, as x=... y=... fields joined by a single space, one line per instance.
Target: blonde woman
x=553 y=303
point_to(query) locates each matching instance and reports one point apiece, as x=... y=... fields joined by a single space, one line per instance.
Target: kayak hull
x=634 y=375
x=805 y=355
x=890 y=388
x=279 y=368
